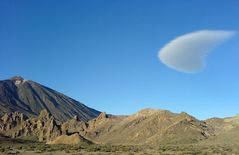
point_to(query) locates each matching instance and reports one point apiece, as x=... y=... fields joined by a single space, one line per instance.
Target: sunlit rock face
x=18 y=80
x=17 y=124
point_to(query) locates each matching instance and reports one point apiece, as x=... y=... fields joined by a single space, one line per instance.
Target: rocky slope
x=43 y=128
x=146 y=127
x=75 y=138
x=226 y=130
x=149 y=127
x=29 y=97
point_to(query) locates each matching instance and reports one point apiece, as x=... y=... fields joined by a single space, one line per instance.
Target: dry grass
x=85 y=149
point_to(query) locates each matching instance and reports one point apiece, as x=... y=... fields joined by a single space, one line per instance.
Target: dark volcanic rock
x=30 y=98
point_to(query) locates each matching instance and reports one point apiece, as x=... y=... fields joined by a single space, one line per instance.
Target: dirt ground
x=83 y=149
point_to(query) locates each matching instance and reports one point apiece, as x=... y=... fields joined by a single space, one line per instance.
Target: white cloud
x=187 y=53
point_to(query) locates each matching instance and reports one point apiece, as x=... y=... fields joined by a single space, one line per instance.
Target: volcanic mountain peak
x=15 y=78
x=30 y=98
x=18 y=80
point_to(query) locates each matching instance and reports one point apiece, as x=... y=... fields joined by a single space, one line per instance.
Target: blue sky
x=105 y=53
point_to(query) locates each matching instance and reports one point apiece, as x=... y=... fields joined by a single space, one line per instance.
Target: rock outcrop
x=146 y=127
x=74 y=126
x=69 y=139
x=44 y=127
x=11 y=120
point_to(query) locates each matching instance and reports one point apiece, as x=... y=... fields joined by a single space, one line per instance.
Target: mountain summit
x=29 y=97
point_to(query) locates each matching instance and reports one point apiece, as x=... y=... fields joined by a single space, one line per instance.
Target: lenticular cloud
x=187 y=53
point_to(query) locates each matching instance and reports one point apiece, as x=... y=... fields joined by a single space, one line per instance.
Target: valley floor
x=35 y=148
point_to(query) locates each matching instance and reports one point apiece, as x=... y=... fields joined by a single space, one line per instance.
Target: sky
x=105 y=53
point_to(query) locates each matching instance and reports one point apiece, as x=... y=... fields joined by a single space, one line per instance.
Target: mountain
x=146 y=127
x=226 y=130
x=29 y=98
x=59 y=119
x=149 y=126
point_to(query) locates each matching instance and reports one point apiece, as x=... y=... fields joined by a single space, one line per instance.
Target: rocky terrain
x=37 y=115
x=146 y=127
x=148 y=131
x=41 y=128
x=150 y=127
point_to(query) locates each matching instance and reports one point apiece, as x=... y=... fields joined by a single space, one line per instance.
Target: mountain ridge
x=31 y=109
x=29 y=97
x=146 y=127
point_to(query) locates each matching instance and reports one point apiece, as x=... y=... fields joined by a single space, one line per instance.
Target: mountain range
x=30 y=109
